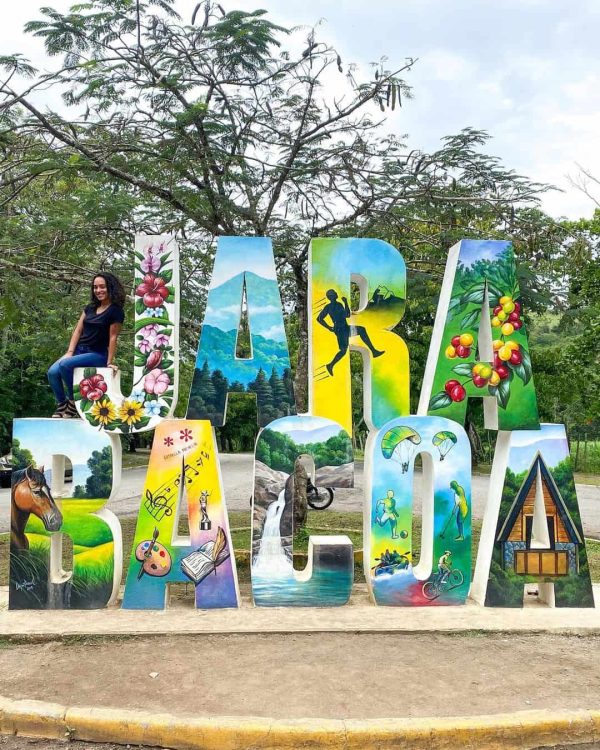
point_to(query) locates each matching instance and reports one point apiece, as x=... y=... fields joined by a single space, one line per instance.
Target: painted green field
x=89 y=553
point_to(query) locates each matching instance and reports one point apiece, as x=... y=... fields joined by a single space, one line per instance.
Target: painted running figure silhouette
x=338 y=314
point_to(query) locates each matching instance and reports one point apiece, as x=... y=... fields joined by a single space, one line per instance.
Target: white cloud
x=447 y=66
x=264 y=310
x=525 y=70
x=275 y=332
x=222 y=313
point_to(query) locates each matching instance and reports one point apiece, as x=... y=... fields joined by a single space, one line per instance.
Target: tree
x=239 y=432
x=214 y=128
x=21 y=457
x=277 y=385
x=262 y=388
x=220 y=385
x=206 y=385
x=566 y=361
x=99 y=483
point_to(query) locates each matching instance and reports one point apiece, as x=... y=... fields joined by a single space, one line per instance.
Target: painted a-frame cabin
x=560 y=557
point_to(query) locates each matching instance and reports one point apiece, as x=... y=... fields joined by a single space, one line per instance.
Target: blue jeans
x=61 y=372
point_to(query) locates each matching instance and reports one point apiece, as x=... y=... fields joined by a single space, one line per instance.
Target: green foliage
x=99 y=483
x=21 y=457
x=164 y=141
x=274 y=395
x=280 y=451
x=240 y=430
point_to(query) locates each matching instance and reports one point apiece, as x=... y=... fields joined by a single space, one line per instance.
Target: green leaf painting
x=461 y=372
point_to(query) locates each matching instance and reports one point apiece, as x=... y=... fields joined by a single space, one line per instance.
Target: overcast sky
x=527 y=71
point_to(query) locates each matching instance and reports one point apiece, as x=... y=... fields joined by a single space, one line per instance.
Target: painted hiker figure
x=93 y=344
x=461 y=509
x=339 y=313
x=386 y=512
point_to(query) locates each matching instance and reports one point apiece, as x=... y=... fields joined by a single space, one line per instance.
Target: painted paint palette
x=155 y=558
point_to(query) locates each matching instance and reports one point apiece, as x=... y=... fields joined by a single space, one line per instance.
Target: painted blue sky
x=387 y=473
x=48 y=437
x=306 y=429
x=550 y=441
x=473 y=250
x=254 y=257
x=524 y=70
x=232 y=256
x=265 y=313
x=381 y=266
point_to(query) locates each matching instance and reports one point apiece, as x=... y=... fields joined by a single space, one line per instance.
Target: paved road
x=236 y=470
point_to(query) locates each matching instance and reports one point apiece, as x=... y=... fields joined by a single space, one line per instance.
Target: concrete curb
x=517 y=731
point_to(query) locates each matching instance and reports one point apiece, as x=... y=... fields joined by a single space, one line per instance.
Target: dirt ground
x=315 y=675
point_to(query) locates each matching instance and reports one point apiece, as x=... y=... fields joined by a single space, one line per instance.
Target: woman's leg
x=56 y=383
x=67 y=366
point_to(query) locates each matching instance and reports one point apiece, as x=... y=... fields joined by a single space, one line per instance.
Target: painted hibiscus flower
x=162 y=340
x=93 y=388
x=145 y=345
x=152 y=290
x=156 y=381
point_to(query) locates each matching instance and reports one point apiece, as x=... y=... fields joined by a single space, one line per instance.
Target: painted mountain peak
x=264 y=305
x=267 y=373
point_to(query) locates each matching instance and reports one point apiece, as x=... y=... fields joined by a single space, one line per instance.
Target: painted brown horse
x=30 y=494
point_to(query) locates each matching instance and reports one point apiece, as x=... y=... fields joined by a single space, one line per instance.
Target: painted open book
x=206 y=559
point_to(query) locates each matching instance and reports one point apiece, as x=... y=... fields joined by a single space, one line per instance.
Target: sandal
x=70 y=411
x=60 y=410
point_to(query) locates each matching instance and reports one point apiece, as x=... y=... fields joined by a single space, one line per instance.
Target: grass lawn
x=318 y=523
x=133 y=460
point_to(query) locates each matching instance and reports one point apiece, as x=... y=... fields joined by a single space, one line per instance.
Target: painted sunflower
x=104 y=411
x=131 y=412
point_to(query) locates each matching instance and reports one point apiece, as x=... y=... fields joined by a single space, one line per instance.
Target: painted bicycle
x=442 y=582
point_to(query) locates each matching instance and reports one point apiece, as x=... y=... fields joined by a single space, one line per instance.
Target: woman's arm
x=75 y=336
x=113 y=335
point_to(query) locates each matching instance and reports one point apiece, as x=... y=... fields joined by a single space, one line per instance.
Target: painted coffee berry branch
x=474 y=284
x=509 y=359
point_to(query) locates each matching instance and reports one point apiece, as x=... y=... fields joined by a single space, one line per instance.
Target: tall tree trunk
x=474 y=439
x=302 y=374
x=300 y=501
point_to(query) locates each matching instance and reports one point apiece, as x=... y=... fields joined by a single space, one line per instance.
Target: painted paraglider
x=400 y=444
x=444 y=441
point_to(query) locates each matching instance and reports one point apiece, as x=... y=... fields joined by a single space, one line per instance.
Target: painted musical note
x=187 y=468
x=158 y=506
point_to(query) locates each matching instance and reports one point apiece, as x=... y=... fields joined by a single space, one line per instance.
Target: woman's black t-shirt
x=96 y=327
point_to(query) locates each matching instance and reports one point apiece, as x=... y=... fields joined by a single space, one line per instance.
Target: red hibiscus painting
x=93 y=388
x=152 y=290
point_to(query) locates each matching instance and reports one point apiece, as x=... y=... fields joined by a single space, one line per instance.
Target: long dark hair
x=115 y=289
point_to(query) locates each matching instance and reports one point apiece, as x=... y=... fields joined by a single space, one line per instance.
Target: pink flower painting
x=151 y=262
x=157 y=382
